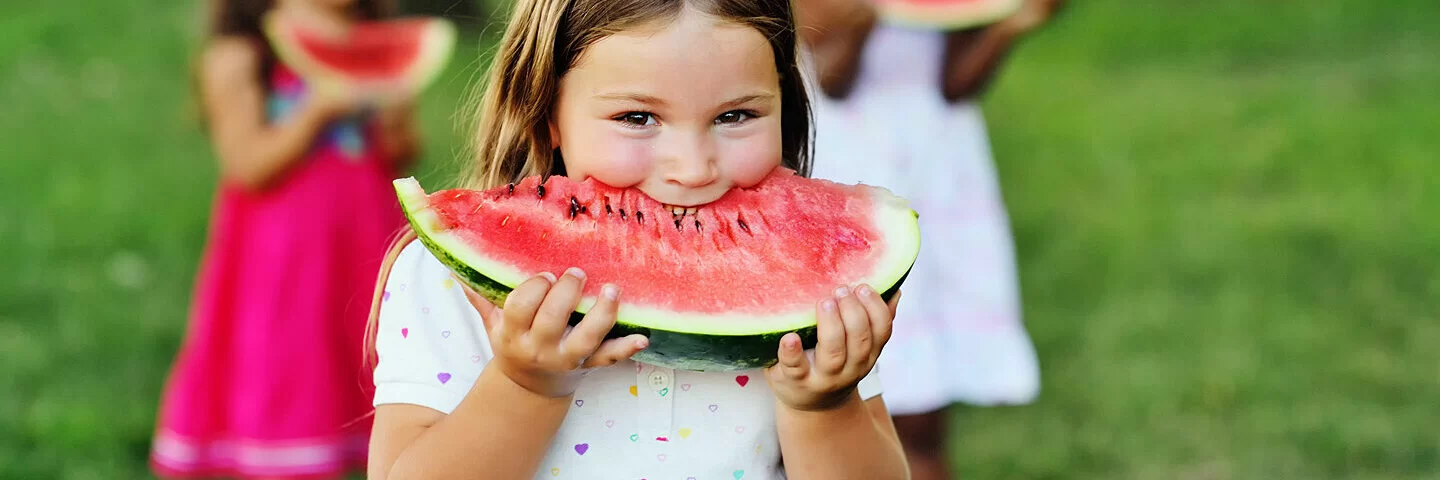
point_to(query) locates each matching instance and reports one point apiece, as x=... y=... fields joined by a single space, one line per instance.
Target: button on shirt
x=627 y=422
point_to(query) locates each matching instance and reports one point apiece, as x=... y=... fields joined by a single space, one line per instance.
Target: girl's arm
x=500 y=428
x=972 y=57
x=835 y=32
x=826 y=430
x=399 y=138
x=251 y=151
x=856 y=440
x=507 y=420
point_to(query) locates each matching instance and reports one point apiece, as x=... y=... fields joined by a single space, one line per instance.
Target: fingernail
x=828 y=305
x=863 y=291
x=610 y=291
x=548 y=276
x=841 y=292
x=575 y=272
x=642 y=343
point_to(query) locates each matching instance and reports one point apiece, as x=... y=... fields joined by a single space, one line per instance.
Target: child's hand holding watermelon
x=852 y=329
x=532 y=347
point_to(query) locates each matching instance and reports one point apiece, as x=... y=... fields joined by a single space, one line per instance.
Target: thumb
x=489 y=313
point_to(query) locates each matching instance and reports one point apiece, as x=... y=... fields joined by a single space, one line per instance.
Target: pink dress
x=270 y=380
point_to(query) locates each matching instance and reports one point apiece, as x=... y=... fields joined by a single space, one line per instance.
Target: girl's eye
x=638 y=119
x=732 y=117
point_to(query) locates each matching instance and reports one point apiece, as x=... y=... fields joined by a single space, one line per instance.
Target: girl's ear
x=554 y=133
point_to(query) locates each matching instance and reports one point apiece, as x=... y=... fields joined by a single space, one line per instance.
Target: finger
x=830 y=349
x=894 y=306
x=554 y=313
x=522 y=302
x=489 y=313
x=881 y=318
x=793 y=363
x=858 y=338
x=614 y=350
x=582 y=341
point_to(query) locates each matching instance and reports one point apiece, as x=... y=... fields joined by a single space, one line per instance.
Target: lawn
x=1219 y=208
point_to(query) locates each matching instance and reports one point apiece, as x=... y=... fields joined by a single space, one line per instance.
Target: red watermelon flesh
x=946 y=14
x=399 y=54
x=714 y=289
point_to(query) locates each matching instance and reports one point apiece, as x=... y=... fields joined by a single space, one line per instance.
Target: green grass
x=1220 y=210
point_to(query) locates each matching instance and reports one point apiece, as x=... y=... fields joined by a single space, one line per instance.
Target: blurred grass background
x=1221 y=211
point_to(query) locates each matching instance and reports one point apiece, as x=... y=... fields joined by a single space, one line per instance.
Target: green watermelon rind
x=950 y=17
x=435 y=53
x=676 y=339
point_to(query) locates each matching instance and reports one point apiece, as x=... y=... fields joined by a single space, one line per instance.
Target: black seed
x=697 y=225
x=743 y=226
x=608 y=210
x=639 y=217
x=512 y=189
x=541 y=190
x=622 y=213
x=677 y=223
x=574 y=206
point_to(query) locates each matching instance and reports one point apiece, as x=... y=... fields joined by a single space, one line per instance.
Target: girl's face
x=685 y=110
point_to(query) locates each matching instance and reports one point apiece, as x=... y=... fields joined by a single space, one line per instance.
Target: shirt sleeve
x=430 y=341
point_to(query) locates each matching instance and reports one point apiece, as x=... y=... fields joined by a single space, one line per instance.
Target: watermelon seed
x=505 y=220
x=622 y=213
x=541 y=189
x=608 y=210
x=743 y=226
x=697 y=225
x=639 y=217
x=512 y=189
x=574 y=207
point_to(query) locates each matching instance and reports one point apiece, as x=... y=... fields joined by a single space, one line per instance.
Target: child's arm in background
x=399 y=137
x=835 y=32
x=826 y=430
x=972 y=57
x=253 y=152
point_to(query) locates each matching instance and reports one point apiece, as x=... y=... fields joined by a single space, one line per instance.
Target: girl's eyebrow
x=632 y=97
x=657 y=102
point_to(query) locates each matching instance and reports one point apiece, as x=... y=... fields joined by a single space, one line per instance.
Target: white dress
x=958 y=333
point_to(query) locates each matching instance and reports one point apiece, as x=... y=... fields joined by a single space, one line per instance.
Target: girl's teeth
x=679 y=211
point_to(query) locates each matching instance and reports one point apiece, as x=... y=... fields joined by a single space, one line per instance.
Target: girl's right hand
x=530 y=339
x=329 y=105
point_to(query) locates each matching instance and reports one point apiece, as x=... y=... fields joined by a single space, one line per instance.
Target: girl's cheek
x=749 y=160
x=613 y=160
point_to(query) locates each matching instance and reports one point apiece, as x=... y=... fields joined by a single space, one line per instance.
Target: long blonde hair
x=543 y=40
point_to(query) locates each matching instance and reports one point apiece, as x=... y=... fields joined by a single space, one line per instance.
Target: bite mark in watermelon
x=714 y=290
x=946 y=14
x=376 y=56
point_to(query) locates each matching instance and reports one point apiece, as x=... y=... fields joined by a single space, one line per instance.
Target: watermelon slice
x=376 y=57
x=946 y=14
x=714 y=290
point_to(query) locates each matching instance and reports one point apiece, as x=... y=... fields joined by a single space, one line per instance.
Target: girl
x=268 y=376
x=900 y=111
x=684 y=99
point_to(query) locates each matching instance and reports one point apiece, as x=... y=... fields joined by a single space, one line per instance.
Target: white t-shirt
x=629 y=421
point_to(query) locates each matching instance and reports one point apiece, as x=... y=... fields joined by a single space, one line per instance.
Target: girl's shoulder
x=430 y=343
x=230 y=56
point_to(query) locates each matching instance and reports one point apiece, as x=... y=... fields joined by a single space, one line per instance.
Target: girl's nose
x=692 y=162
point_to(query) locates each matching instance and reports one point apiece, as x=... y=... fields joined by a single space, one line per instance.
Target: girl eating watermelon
x=902 y=79
x=683 y=100
x=268 y=376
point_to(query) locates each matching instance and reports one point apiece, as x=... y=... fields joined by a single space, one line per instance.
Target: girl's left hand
x=852 y=329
